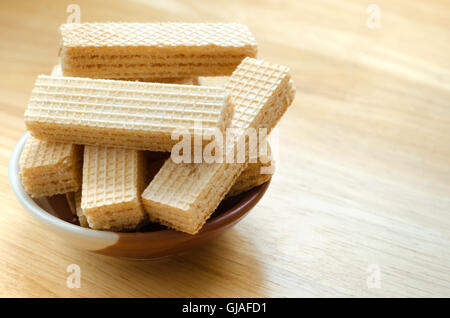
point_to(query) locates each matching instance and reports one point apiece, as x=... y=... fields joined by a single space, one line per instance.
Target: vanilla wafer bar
x=254 y=175
x=150 y=51
x=183 y=196
x=124 y=114
x=49 y=168
x=74 y=202
x=78 y=210
x=112 y=183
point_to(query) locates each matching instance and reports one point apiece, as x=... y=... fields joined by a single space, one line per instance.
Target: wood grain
x=364 y=157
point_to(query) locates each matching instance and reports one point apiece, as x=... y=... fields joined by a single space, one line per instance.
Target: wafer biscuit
x=254 y=175
x=74 y=202
x=39 y=154
x=112 y=183
x=124 y=114
x=78 y=210
x=149 y=51
x=183 y=196
x=49 y=168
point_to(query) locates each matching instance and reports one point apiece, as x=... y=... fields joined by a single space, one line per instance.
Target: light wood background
x=364 y=159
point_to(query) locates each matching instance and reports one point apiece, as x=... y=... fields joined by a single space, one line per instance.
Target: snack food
x=48 y=168
x=74 y=202
x=78 y=210
x=254 y=175
x=41 y=160
x=183 y=196
x=112 y=183
x=153 y=51
x=123 y=114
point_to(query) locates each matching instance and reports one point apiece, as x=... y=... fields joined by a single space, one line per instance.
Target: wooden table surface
x=361 y=197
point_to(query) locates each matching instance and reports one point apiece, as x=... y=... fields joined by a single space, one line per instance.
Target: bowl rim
x=252 y=197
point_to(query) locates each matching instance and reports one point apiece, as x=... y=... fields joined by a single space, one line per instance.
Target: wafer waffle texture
x=153 y=162
x=149 y=51
x=254 y=175
x=113 y=179
x=41 y=162
x=124 y=114
x=183 y=196
x=48 y=168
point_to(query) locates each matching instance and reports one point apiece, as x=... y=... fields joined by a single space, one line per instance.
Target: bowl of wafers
x=151 y=241
x=100 y=162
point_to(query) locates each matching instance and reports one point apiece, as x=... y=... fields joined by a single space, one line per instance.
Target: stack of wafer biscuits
x=183 y=196
x=127 y=92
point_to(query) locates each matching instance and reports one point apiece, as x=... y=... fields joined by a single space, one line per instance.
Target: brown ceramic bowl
x=153 y=241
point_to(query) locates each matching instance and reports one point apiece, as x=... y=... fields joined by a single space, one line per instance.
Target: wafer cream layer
x=183 y=196
x=48 y=168
x=123 y=114
x=174 y=73
x=57 y=71
x=154 y=50
x=112 y=182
